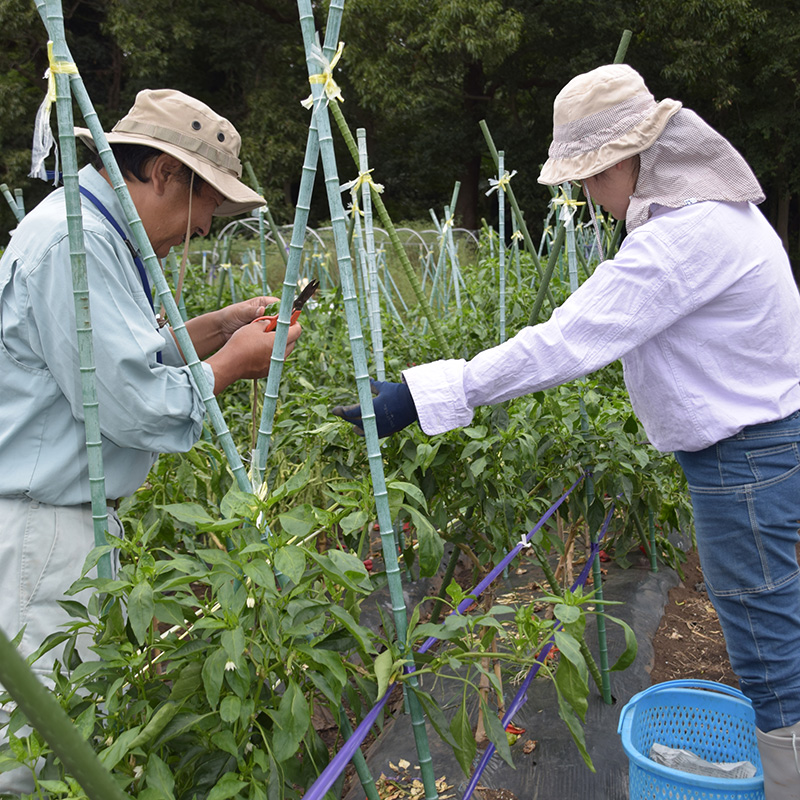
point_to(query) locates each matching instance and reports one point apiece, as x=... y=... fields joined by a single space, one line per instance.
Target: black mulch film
x=553 y=769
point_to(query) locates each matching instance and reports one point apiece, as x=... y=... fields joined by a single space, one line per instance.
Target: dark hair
x=133 y=158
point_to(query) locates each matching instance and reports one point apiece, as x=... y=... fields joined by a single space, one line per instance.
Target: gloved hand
x=393 y=404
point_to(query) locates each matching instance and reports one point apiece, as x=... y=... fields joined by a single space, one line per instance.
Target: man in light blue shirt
x=180 y=163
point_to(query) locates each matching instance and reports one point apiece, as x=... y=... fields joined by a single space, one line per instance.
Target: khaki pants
x=42 y=551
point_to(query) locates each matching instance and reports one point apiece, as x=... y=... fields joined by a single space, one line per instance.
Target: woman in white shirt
x=700 y=305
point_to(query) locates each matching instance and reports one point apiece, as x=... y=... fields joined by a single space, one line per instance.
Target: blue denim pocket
x=746 y=500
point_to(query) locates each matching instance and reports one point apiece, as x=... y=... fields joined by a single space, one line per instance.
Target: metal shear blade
x=305 y=295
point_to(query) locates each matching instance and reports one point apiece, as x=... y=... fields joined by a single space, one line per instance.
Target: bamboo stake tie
x=501 y=183
x=43 y=140
x=363 y=178
x=568 y=206
x=330 y=89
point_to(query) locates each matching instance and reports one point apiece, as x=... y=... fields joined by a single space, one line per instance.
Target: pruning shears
x=297 y=307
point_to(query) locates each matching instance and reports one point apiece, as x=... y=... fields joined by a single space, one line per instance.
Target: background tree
x=737 y=63
x=419 y=76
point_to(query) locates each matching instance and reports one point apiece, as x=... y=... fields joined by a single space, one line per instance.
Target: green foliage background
x=418 y=76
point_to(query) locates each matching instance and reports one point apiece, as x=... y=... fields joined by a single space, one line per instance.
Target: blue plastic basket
x=712 y=720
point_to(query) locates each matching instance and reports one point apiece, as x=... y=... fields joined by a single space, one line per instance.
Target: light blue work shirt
x=145 y=407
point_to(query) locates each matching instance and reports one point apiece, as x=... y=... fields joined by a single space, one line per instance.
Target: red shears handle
x=272 y=320
x=297 y=307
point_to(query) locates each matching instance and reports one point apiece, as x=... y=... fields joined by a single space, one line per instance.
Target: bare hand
x=247 y=354
x=238 y=314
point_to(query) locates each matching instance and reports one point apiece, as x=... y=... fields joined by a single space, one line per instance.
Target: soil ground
x=689 y=642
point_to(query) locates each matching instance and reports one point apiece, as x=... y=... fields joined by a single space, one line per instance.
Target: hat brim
x=239 y=197
x=593 y=162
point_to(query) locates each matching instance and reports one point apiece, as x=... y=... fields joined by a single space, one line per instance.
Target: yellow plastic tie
x=43 y=139
x=357 y=183
x=354 y=209
x=448 y=223
x=330 y=88
x=568 y=205
x=500 y=183
x=517 y=235
x=56 y=68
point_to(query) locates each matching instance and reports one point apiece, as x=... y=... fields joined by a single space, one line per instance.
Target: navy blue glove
x=394 y=408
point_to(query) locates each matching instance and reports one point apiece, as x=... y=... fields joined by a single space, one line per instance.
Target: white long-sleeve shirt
x=700 y=305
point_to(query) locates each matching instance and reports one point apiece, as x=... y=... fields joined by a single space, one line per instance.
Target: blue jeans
x=746 y=498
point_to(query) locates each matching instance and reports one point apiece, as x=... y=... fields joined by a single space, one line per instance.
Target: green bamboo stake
x=550 y=577
x=622 y=48
x=46 y=715
x=262 y=236
x=501 y=230
x=455 y=272
x=12 y=203
x=648 y=540
x=619 y=58
x=364 y=776
x=292 y=262
x=390 y=302
x=449 y=215
x=80 y=285
x=652 y=526
x=567 y=215
x=20 y=201
x=515 y=205
x=362 y=269
x=583 y=263
x=229 y=266
x=386 y=222
x=320 y=113
x=173 y=264
x=546 y=228
x=151 y=262
x=220 y=284
x=440 y=288
x=597 y=577
x=395 y=290
x=354 y=233
x=264 y=211
x=372 y=267
x=301 y=214
x=515 y=237
x=555 y=252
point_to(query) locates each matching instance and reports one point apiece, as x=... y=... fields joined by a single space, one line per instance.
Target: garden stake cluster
x=399 y=655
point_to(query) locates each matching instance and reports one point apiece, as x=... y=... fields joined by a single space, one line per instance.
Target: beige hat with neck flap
x=601 y=118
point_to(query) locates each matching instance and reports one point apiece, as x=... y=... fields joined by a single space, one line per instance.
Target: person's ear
x=164 y=168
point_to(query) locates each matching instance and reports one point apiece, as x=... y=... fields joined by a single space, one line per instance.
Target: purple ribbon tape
x=521 y=696
x=338 y=763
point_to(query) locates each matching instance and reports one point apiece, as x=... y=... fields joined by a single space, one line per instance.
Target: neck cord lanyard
x=137 y=259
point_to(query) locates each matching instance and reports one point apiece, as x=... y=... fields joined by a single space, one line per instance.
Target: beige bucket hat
x=193 y=133
x=601 y=118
